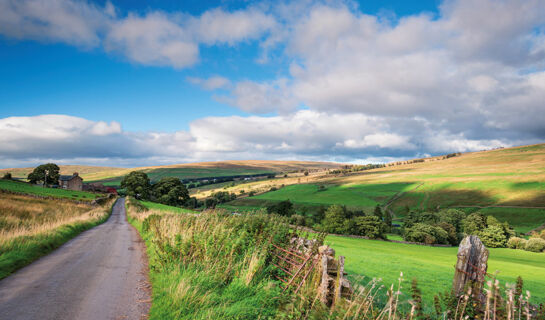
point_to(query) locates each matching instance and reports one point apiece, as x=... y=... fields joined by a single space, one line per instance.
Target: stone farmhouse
x=73 y=182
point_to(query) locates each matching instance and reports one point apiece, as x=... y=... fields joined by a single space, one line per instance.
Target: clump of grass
x=31 y=227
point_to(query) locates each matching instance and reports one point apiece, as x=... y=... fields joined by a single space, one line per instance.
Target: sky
x=133 y=83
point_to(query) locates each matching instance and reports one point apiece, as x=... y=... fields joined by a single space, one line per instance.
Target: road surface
x=100 y=274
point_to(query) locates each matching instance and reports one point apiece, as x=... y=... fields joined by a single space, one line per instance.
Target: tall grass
x=215 y=265
x=212 y=265
x=31 y=227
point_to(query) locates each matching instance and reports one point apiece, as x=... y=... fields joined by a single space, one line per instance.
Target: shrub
x=516 y=243
x=369 y=226
x=334 y=220
x=540 y=235
x=283 y=208
x=251 y=194
x=535 y=245
x=7 y=176
x=426 y=233
x=493 y=236
x=298 y=220
x=474 y=223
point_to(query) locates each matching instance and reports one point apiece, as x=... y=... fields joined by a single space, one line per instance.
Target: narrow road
x=100 y=274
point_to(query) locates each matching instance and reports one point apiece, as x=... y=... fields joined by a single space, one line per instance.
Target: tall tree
x=47 y=173
x=137 y=185
x=378 y=212
x=388 y=219
x=170 y=191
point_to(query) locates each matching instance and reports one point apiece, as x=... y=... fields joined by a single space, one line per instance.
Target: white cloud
x=212 y=83
x=74 y=22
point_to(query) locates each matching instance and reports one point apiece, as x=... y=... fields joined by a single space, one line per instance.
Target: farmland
x=432 y=266
x=504 y=182
x=21 y=187
x=31 y=228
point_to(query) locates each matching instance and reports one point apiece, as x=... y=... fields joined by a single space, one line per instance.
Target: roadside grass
x=164 y=207
x=31 y=228
x=23 y=187
x=210 y=266
x=432 y=266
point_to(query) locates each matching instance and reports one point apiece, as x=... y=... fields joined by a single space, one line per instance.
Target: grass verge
x=31 y=228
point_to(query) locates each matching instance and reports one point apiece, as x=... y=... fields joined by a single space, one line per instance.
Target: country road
x=100 y=274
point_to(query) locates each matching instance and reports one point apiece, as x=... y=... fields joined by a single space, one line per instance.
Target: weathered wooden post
x=471 y=266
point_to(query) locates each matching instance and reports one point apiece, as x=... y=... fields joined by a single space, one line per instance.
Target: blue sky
x=158 y=82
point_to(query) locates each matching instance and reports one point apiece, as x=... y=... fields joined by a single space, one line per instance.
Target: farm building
x=73 y=182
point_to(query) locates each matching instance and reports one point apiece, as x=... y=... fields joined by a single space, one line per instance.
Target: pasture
x=163 y=207
x=22 y=187
x=432 y=266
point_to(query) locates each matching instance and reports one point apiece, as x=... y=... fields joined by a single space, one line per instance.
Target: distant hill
x=113 y=175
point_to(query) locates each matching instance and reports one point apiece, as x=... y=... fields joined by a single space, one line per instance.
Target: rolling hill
x=113 y=176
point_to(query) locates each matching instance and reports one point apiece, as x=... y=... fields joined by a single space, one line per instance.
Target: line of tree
x=356 y=168
x=449 y=226
x=169 y=190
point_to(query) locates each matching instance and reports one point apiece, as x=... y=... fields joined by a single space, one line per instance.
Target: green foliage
x=516 y=243
x=223 y=196
x=493 y=236
x=334 y=220
x=474 y=223
x=298 y=220
x=369 y=226
x=39 y=174
x=7 y=176
x=535 y=245
x=137 y=185
x=378 y=212
x=453 y=217
x=283 y=208
x=170 y=191
x=425 y=233
x=388 y=220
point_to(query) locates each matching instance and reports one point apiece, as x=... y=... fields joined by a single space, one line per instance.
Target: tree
x=7 y=176
x=210 y=203
x=369 y=226
x=47 y=173
x=453 y=217
x=170 y=191
x=425 y=233
x=378 y=212
x=306 y=173
x=137 y=185
x=334 y=219
x=388 y=219
x=283 y=208
x=493 y=236
x=474 y=223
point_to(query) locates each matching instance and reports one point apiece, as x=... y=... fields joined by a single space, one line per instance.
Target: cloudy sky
x=157 y=82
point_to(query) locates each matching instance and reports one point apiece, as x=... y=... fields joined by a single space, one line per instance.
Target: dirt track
x=100 y=274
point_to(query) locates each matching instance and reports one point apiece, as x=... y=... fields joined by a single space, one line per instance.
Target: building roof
x=67 y=178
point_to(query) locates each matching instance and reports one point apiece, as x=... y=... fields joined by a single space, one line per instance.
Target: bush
x=298 y=220
x=493 y=236
x=251 y=194
x=539 y=235
x=283 y=208
x=369 y=226
x=426 y=233
x=474 y=223
x=7 y=176
x=334 y=220
x=535 y=245
x=516 y=243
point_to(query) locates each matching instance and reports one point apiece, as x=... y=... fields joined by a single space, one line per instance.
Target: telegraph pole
x=45 y=178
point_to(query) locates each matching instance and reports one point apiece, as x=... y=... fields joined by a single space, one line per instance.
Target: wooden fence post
x=471 y=266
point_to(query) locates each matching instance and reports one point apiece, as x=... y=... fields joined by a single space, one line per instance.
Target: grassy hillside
x=31 y=228
x=499 y=179
x=112 y=176
x=22 y=187
x=433 y=266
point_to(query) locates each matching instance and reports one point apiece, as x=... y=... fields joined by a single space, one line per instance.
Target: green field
x=432 y=266
x=360 y=196
x=26 y=188
x=188 y=173
x=164 y=207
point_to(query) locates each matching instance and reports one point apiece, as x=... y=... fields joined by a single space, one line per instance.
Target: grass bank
x=26 y=188
x=31 y=228
x=212 y=265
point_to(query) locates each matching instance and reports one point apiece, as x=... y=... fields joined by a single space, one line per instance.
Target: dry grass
x=31 y=227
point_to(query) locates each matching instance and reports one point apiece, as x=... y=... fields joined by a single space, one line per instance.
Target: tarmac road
x=100 y=274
